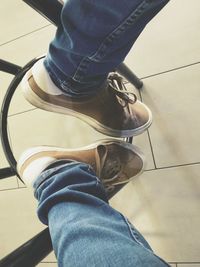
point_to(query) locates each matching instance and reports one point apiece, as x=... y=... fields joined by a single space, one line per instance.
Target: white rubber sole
x=36 y=101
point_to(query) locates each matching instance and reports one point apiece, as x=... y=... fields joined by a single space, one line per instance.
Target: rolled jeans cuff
x=71 y=182
x=72 y=87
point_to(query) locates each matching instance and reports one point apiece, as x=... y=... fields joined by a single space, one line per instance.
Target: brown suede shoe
x=112 y=110
x=115 y=162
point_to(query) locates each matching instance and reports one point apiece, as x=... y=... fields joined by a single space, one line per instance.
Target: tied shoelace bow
x=116 y=83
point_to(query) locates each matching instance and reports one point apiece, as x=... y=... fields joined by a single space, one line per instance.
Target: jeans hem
x=71 y=86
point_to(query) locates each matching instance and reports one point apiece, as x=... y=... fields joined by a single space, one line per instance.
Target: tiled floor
x=163 y=203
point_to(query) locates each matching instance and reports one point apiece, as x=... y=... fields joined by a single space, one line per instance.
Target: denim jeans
x=93 y=38
x=85 y=230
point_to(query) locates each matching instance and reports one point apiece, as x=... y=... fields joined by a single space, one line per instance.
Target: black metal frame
x=33 y=251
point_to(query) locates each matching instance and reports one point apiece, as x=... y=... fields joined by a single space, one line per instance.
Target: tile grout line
x=149 y=138
x=9 y=189
x=174 y=166
x=170 y=70
x=151 y=147
x=24 y=35
x=21 y=112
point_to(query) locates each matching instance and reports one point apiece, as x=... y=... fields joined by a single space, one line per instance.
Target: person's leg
x=94 y=38
x=84 y=229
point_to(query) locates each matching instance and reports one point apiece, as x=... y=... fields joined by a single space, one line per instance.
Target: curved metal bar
x=124 y=70
x=9 y=67
x=4 y=114
x=50 y=9
x=6 y=172
x=30 y=253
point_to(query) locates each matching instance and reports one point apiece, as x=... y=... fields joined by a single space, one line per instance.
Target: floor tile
x=39 y=127
x=50 y=258
x=18 y=19
x=5 y=80
x=3 y=161
x=18 y=219
x=169 y=41
x=17 y=103
x=142 y=141
x=174 y=101
x=10 y=182
x=164 y=206
x=26 y=51
x=21 y=184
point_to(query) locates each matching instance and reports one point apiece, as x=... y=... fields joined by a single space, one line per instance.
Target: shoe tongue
x=100 y=156
x=107 y=167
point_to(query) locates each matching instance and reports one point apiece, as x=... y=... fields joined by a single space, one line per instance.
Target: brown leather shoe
x=115 y=162
x=112 y=110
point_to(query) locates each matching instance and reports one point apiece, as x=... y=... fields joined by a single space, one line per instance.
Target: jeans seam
x=98 y=55
x=81 y=69
x=130 y=20
x=133 y=234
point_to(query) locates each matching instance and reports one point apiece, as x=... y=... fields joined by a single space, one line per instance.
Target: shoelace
x=101 y=156
x=116 y=83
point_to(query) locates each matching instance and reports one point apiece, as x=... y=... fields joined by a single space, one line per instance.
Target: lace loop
x=116 y=83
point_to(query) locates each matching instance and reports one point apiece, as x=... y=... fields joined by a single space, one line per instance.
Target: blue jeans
x=93 y=38
x=84 y=229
